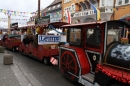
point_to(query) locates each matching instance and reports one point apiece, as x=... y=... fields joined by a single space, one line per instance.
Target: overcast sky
x=20 y=6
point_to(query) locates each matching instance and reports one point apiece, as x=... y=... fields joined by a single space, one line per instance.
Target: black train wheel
x=68 y=65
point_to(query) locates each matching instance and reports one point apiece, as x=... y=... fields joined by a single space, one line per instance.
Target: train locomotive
x=97 y=54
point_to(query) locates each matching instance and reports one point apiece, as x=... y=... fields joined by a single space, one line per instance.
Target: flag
x=68 y=15
x=1 y=10
x=96 y=11
x=44 y=14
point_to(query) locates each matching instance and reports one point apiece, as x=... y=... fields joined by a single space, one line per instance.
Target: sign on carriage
x=51 y=39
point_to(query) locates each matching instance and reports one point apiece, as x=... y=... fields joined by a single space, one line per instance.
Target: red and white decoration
x=117 y=74
x=54 y=61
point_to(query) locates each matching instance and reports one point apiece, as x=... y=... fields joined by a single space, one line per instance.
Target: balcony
x=84 y=13
x=107 y=9
x=91 y=12
x=106 y=14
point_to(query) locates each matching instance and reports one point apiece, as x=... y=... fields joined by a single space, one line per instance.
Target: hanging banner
x=16 y=13
x=42 y=20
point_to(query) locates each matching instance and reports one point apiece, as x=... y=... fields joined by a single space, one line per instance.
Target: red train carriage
x=14 y=42
x=44 y=52
x=4 y=36
x=98 y=53
x=4 y=39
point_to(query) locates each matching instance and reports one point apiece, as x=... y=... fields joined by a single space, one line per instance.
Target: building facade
x=122 y=9
x=81 y=11
x=54 y=10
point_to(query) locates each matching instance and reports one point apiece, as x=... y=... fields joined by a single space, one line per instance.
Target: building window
x=69 y=8
x=103 y=2
x=54 y=7
x=64 y=12
x=73 y=9
x=109 y=3
x=66 y=1
x=119 y=2
x=49 y=8
x=126 y=1
x=58 y=5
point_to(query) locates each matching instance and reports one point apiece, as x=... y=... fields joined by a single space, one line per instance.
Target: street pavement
x=7 y=76
x=14 y=75
x=26 y=71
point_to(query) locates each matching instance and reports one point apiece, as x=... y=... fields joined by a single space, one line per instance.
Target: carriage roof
x=111 y=23
x=45 y=25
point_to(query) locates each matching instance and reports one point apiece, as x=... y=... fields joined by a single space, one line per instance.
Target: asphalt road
x=45 y=75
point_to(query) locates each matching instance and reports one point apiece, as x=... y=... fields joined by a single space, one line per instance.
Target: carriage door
x=94 y=46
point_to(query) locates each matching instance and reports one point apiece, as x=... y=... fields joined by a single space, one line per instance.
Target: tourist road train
x=93 y=54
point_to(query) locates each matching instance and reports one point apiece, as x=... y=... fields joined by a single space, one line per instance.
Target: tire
x=13 y=49
x=23 y=52
x=46 y=60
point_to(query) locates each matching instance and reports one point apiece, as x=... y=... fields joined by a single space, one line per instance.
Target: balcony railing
x=84 y=13
x=106 y=9
x=91 y=12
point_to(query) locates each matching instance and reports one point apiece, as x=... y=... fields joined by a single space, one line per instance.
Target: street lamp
x=38 y=8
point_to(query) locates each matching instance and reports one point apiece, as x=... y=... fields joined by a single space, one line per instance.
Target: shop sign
x=14 y=25
x=42 y=20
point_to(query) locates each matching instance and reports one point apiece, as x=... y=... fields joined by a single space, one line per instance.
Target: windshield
x=113 y=34
x=117 y=31
x=75 y=36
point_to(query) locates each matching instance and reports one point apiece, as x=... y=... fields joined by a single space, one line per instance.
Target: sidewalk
x=15 y=75
x=7 y=76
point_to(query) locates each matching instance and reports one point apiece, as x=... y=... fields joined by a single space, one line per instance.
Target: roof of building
x=56 y=4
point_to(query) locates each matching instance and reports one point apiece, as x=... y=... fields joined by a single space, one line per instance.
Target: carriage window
x=15 y=36
x=113 y=34
x=93 y=38
x=75 y=36
x=89 y=32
